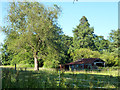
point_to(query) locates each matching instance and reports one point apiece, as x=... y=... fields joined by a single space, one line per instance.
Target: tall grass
x=50 y=78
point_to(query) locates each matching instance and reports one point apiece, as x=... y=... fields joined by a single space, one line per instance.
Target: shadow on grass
x=94 y=80
x=51 y=79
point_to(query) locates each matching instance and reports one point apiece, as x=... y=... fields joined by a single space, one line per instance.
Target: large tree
x=83 y=35
x=66 y=42
x=114 y=38
x=114 y=46
x=32 y=27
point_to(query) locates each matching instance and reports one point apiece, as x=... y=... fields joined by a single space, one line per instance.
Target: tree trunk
x=36 y=67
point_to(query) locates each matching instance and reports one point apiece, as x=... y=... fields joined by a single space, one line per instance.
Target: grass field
x=50 y=78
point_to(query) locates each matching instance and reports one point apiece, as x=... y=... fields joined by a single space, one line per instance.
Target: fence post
x=25 y=68
x=0 y=78
x=15 y=67
x=59 y=77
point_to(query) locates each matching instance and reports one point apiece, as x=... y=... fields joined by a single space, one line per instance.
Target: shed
x=88 y=63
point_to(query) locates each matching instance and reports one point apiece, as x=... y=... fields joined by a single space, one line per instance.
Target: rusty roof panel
x=84 y=61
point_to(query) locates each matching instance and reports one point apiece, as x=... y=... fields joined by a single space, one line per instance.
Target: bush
x=84 y=53
x=109 y=58
x=51 y=64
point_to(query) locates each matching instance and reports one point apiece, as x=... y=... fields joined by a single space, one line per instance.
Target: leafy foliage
x=84 y=53
x=101 y=44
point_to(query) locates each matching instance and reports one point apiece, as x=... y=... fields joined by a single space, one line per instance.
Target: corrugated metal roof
x=84 y=61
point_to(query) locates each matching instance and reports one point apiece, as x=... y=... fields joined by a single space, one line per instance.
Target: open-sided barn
x=89 y=63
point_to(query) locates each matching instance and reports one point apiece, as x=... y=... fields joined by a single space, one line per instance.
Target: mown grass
x=50 y=78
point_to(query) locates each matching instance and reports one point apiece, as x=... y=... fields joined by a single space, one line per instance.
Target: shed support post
x=104 y=64
x=69 y=68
